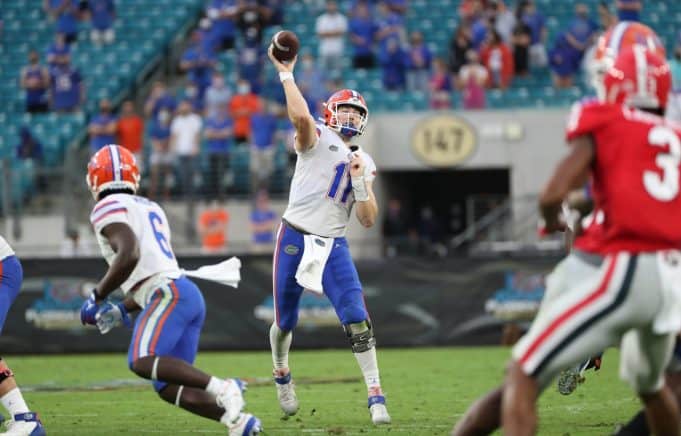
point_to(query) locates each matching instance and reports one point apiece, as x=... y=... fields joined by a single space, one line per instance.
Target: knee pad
x=5 y=371
x=361 y=336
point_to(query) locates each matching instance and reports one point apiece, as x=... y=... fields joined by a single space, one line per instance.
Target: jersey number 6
x=155 y=221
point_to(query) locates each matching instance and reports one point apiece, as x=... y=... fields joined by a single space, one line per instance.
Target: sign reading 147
x=443 y=141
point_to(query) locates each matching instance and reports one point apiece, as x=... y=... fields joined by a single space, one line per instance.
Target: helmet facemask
x=342 y=122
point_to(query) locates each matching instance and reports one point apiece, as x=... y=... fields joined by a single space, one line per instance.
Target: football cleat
x=231 y=398
x=570 y=378
x=286 y=394
x=378 y=411
x=25 y=424
x=245 y=425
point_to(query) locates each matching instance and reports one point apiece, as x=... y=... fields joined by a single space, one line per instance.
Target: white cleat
x=245 y=425
x=379 y=413
x=286 y=394
x=25 y=424
x=231 y=399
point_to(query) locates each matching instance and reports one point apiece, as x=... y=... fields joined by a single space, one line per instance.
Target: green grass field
x=427 y=391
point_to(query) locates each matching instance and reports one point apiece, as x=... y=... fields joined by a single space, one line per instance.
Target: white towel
x=311 y=268
x=226 y=272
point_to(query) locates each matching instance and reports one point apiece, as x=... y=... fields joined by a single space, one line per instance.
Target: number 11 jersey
x=149 y=224
x=635 y=176
x=321 y=196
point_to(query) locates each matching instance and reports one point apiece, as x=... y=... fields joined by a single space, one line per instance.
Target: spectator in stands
x=440 y=85
x=331 y=28
x=458 y=47
x=502 y=18
x=470 y=11
x=311 y=80
x=420 y=57
x=393 y=62
x=102 y=128
x=390 y=27
x=629 y=10
x=498 y=59
x=66 y=13
x=218 y=133
x=213 y=222
x=480 y=30
x=185 y=141
x=29 y=148
x=35 y=80
x=67 y=89
x=252 y=19
x=263 y=140
x=250 y=63
x=362 y=31
x=59 y=53
x=198 y=62
x=567 y=54
x=537 y=24
x=521 y=40
x=102 y=15
x=190 y=92
x=395 y=229
x=263 y=221
x=242 y=105
x=605 y=17
x=274 y=12
x=223 y=14
x=130 y=131
x=472 y=80
x=217 y=95
x=159 y=108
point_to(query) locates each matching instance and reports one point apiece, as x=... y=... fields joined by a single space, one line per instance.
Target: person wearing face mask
x=159 y=107
x=102 y=128
x=241 y=107
x=35 y=79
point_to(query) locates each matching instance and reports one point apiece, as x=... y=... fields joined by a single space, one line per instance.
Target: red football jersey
x=635 y=176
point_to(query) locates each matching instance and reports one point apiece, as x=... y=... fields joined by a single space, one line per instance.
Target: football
x=285 y=45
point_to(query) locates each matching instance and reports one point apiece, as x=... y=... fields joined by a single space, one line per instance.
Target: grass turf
x=427 y=391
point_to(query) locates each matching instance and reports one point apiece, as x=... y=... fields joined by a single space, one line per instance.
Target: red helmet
x=639 y=78
x=622 y=35
x=112 y=167
x=346 y=97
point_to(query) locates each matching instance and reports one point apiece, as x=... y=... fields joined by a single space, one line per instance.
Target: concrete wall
x=529 y=142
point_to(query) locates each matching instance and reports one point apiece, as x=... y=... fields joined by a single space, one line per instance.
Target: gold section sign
x=443 y=141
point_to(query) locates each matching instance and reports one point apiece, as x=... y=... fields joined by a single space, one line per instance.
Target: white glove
x=111 y=315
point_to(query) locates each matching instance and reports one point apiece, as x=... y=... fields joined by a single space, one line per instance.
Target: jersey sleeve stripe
x=112 y=211
x=102 y=205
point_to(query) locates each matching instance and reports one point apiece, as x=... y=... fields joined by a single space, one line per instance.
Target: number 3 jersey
x=635 y=176
x=321 y=196
x=149 y=223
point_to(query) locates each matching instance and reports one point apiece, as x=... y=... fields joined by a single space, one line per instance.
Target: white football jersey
x=150 y=224
x=321 y=196
x=5 y=249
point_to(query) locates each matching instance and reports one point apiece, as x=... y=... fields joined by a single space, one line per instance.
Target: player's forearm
x=119 y=271
x=298 y=110
x=130 y=305
x=367 y=211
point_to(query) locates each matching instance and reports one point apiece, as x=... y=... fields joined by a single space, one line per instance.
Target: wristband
x=97 y=296
x=285 y=75
x=359 y=188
